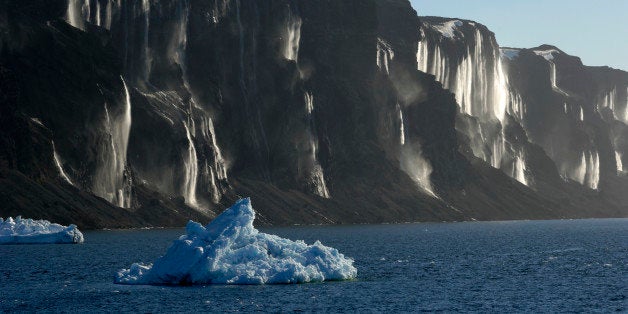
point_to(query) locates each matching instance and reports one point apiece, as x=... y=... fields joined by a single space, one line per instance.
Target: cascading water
x=609 y=100
x=190 y=175
x=317 y=176
x=217 y=171
x=549 y=56
x=402 y=131
x=219 y=10
x=518 y=166
x=411 y=160
x=112 y=180
x=76 y=12
x=59 y=165
x=480 y=86
x=618 y=163
x=586 y=170
x=79 y=12
x=210 y=173
x=517 y=107
x=292 y=37
x=593 y=170
x=146 y=48
x=416 y=167
x=385 y=55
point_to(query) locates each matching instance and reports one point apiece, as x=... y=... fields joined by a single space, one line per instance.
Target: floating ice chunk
x=229 y=250
x=29 y=231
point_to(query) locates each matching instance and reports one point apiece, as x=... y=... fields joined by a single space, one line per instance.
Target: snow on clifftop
x=509 y=53
x=448 y=28
x=547 y=54
x=29 y=231
x=229 y=250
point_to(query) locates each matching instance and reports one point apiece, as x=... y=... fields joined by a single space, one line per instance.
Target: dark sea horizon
x=500 y=266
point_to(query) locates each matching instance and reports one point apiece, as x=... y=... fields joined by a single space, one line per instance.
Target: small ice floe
x=29 y=231
x=229 y=250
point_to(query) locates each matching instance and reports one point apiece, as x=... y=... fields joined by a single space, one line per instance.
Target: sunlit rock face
x=351 y=111
x=465 y=58
x=576 y=113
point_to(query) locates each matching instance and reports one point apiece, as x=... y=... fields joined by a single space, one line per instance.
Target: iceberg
x=29 y=231
x=229 y=250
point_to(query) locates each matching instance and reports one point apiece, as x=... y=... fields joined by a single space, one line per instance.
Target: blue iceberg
x=229 y=250
x=29 y=231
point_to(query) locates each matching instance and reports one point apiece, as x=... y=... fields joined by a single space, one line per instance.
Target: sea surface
x=514 y=266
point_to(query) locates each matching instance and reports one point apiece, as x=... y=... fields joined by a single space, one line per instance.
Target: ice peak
x=229 y=250
x=240 y=216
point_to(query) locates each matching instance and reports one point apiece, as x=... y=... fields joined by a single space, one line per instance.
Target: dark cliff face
x=520 y=117
x=576 y=113
x=164 y=111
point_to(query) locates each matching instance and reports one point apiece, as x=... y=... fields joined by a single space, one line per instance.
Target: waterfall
x=147 y=54
x=209 y=132
x=210 y=173
x=385 y=54
x=79 y=12
x=618 y=163
x=97 y=22
x=59 y=165
x=411 y=160
x=553 y=76
x=416 y=167
x=516 y=107
x=316 y=176
x=480 y=85
x=581 y=114
x=402 y=132
x=481 y=90
x=292 y=37
x=593 y=170
x=112 y=180
x=519 y=169
x=190 y=164
x=609 y=100
x=548 y=55
x=586 y=170
x=75 y=13
x=108 y=15
x=580 y=172
x=217 y=171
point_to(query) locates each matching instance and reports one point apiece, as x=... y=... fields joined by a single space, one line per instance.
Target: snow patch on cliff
x=448 y=29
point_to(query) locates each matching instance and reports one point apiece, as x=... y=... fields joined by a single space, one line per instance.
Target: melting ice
x=229 y=250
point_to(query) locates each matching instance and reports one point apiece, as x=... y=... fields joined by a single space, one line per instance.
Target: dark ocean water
x=527 y=266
